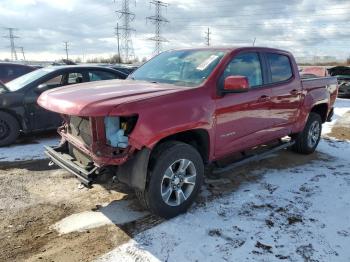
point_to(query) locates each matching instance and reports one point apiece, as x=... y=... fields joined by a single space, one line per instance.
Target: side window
x=280 y=66
x=248 y=65
x=74 y=78
x=101 y=75
x=56 y=81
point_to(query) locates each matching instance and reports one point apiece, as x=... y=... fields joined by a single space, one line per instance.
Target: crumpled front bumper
x=65 y=161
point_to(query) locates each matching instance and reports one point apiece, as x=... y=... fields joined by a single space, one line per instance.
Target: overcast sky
x=305 y=27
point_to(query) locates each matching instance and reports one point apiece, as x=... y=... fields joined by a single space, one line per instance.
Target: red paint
x=236 y=83
x=233 y=121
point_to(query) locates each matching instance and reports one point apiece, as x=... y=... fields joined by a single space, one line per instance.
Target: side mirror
x=42 y=88
x=236 y=84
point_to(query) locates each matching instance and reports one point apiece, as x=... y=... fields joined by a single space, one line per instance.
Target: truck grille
x=80 y=128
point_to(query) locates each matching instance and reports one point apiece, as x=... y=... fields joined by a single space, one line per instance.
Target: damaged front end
x=94 y=146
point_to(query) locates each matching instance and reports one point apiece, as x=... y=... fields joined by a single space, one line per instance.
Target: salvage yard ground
x=287 y=207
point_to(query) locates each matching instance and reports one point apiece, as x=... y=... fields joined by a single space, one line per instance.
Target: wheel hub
x=314 y=134
x=178 y=182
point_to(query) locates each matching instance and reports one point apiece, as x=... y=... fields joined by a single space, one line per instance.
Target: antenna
x=158 y=20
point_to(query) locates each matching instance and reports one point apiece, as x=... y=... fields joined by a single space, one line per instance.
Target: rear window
x=280 y=66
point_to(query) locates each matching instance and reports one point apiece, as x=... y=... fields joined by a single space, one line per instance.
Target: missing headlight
x=115 y=135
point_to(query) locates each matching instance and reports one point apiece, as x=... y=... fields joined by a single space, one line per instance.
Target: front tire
x=175 y=179
x=9 y=129
x=307 y=141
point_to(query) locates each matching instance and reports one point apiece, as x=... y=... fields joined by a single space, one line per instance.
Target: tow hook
x=51 y=163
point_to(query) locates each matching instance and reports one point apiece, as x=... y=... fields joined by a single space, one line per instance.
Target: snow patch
x=117 y=212
x=24 y=152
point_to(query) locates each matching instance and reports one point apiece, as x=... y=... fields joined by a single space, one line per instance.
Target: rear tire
x=174 y=179
x=9 y=129
x=307 y=141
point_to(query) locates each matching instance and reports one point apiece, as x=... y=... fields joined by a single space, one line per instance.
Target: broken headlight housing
x=117 y=130
x=115 y=135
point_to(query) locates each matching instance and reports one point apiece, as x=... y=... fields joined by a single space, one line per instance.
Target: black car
x=19 y=110
x=10 y=71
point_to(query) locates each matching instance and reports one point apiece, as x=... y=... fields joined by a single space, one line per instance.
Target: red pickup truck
x=184 y=110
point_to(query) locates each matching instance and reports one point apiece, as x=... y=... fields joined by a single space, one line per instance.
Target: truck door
x=286 y=92
x=243 y=119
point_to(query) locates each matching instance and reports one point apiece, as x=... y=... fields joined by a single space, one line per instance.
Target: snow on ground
x=30 y=151
x=340 y=108
x=118 y=212
x=292 y=214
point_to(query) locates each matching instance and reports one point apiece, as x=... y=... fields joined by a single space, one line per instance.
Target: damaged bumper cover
x=133 y=172
x=66 y=162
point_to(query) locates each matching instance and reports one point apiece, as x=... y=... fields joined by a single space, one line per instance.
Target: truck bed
x=312 y=83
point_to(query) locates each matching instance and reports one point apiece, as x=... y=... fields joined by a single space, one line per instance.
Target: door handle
x=294 y=92
x=264 y=98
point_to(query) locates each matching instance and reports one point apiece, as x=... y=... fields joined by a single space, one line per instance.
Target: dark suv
x=9 y=71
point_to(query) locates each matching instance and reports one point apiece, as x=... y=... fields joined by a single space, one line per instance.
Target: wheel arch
x=322 y=110
x=198 y=138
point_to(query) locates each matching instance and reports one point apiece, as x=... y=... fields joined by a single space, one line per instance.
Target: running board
x=252 y=158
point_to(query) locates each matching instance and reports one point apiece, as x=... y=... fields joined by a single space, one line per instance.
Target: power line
x=12 y=38
x=158 y=20
x=66 y=43
x=207 y=37
x=127 y=17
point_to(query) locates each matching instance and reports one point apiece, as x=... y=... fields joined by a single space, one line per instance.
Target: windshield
x=183 y=67
x=24 y=80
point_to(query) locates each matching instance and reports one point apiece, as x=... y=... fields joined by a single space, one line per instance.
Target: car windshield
x=24 y=80
x=184 y=67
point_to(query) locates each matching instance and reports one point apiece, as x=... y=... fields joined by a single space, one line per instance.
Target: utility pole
x=118 y=36
x=158 y=20
x=207 y=37
x=12 y=38
x=254 y=41
x=22 y=51
x=127 y=17
x=66 y=43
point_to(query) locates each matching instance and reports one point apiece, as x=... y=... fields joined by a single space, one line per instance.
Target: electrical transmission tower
x=207 y=37
x=158 y=20
x=126 y=16
x=12 y=38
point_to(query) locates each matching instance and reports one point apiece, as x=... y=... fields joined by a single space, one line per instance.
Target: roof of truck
x=233 y=48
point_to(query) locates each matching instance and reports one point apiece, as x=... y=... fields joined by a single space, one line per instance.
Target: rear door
x=243 y=119
x=286 y=92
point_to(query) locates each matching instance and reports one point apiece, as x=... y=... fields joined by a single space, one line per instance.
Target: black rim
x=4 y=129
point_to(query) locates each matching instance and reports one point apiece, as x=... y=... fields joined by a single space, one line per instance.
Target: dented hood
x=99 y=98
